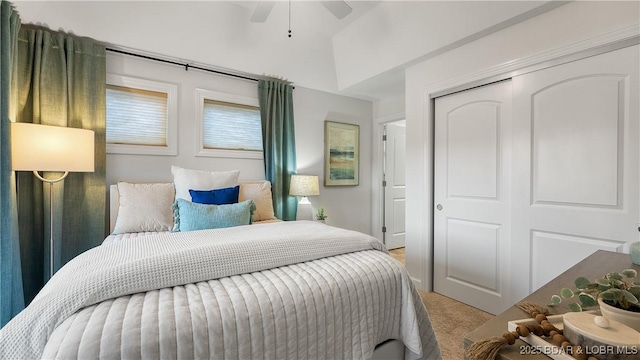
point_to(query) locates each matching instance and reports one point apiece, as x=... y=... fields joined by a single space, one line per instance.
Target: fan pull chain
x=289 y=18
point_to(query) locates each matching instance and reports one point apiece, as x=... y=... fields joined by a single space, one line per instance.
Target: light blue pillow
x=192 y=216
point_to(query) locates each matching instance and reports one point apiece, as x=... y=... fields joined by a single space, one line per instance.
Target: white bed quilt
x=291 y=290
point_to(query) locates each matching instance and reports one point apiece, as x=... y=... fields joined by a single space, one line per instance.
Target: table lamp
x=36 y=147
x=304 y=185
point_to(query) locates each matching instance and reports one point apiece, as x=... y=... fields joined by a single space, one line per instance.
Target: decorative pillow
x=215 y=197
x=185 y=179
x=144 y=207
x=191 y=216
x=260 y=193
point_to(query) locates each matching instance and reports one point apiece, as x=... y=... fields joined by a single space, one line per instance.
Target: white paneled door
x=395 y=179
x=533 y=175
x=576 y=152
x=472 y=196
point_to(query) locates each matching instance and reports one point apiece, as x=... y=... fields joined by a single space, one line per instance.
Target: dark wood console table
x=596 y=265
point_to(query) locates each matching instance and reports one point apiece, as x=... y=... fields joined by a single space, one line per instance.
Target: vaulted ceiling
x=362 y=55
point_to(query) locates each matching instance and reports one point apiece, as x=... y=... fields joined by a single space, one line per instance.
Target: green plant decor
x=616 y=289
x=320 y=214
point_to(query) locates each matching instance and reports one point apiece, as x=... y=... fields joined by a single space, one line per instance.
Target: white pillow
x=260 y=193
x=144 y=207
x=185 y=179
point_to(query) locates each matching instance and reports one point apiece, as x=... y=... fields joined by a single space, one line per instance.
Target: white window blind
x=230 y=126
x=136 y=116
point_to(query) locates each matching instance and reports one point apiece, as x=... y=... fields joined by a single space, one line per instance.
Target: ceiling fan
x=338 y=8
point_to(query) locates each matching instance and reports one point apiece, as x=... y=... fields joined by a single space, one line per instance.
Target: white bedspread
x=177 y=276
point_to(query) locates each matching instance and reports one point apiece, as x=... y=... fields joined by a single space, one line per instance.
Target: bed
x=270 y=290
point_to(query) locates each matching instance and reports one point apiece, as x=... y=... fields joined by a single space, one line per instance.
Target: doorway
x=393 y=183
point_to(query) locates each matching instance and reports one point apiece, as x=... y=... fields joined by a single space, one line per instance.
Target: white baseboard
x=416 y=282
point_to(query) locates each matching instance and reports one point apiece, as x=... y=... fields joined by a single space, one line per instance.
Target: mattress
x=290 y=290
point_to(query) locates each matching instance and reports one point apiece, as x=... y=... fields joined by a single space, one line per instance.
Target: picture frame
x=341 y=154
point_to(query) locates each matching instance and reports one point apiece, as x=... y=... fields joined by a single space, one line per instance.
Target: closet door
x=576 y=164
x=472 y=196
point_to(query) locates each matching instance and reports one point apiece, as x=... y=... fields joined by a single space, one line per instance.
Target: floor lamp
x=38 y=148
x=304 y=185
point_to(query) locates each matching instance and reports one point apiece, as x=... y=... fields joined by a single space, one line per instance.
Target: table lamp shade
x=304 y=185
x=38 y=147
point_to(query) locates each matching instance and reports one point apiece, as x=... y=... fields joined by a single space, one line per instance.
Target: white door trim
x=376 y=171
x=394 y=183
x=615 y=40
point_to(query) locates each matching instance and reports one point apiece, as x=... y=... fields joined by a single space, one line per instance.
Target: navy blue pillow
x=216 y=197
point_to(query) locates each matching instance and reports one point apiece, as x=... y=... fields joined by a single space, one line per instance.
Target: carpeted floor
x=398 y=254
x=451 y=319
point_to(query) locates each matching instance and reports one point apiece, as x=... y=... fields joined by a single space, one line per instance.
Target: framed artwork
x=341 y=153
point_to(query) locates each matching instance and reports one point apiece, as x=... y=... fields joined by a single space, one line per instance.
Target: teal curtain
x=278 y=138
x=11 y=295
x=61 y=81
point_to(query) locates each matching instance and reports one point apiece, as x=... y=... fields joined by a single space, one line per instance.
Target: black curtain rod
x=185 y=65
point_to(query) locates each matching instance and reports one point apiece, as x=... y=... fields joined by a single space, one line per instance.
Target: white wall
x=149 y=168
x=395 y=33
x=347 y=207
x=389 y=106
x=569 y=24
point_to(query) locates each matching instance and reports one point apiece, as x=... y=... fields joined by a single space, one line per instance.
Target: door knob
x=439 y=207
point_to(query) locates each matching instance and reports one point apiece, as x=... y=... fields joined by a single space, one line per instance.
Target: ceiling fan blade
x=338 y=8
x=262 y=10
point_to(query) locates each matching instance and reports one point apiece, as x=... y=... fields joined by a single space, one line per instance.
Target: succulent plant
x=616 y=289
x=320 y=214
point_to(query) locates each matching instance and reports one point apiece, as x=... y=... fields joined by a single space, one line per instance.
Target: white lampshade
x=304 y=185
x=38 y=147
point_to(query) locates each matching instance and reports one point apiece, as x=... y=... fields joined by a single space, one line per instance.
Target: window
x=141 y=116
x=230 y=126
